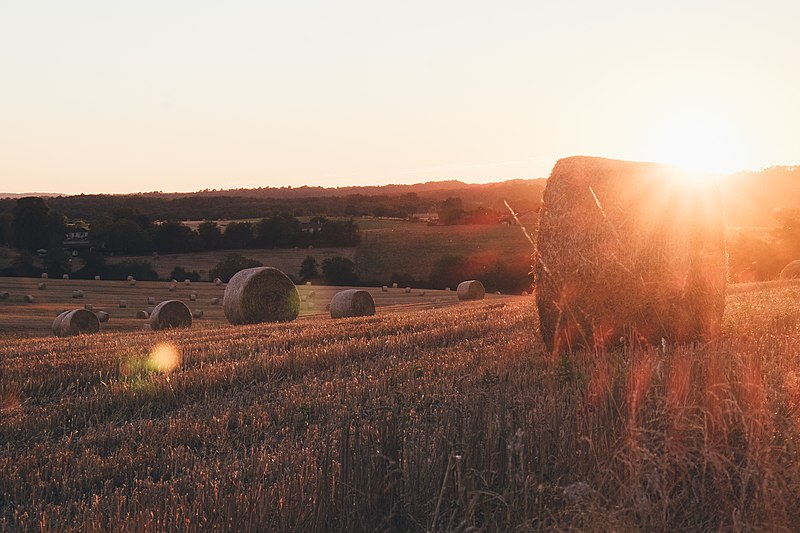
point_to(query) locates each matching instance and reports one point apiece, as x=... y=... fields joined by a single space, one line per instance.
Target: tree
x=56 y=261
x=6 y=234
x=181 y=274
x=451 y=211
x=210 y=235
x=126 y=237
x=238 y=235
x=280 y=231
x=175 y=237
x=308 y=269
x=31 y=224
x=229 y=266
x=339 y=271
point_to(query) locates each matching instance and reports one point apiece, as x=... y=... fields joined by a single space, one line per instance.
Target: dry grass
x=447 y=419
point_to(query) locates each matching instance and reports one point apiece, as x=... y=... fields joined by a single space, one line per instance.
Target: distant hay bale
x=260 y=294
x=61 y=311
x=151 y=300
x=447 y=289
x=302 y=298
x=394 y=285
x=497 y=292
x=308 y=283
x=217 y=282
x=170 y=314
x=422 y=293
x=408 y=289
x=198 y=313
x=470 y=290
x=129 y=278
x=141 y=313
x=172 y=288
x=42 y=286
x=628 y=251
x=312 y=294
x=352 y=302
x=75 y=322
x=149 y=309
x=44 y=275
x=28 y=298
x=97 y=278
x=187 y=282
x=77 y=293
x=102 y=316
x=132 y=282
x=791 y=271
x=4 y=295
x=193 y=297
x=384 y=289
x=214 y=301
x=88 y=307
x=65 y=276
x=123 y=304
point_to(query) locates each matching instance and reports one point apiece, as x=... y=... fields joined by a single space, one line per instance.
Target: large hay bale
x=352 y=302
x=103 y=316
x=75 y=322
x=470 y=290
x=408 y=290
x=42 y=286
x=628 y=251
x=28 y=298
x=394 y=285
x=170 y=314
x=261 y=294
x=792 y=270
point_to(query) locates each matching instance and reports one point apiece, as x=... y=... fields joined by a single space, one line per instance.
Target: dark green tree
x=32 y=224
x=126 y=237
x=210 y=235
x=238 y=235
x=229 y=266
x=6 y=234
x=174 y=237
x=339 y=271
x=308 y=269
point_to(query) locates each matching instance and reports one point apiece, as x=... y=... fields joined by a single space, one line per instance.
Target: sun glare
x=699 y=147
x=165 y=357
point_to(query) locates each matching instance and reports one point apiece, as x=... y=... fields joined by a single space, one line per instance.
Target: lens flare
x=164 y=357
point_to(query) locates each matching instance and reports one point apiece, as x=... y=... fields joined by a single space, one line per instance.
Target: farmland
x=432 y=419
x=19 y=318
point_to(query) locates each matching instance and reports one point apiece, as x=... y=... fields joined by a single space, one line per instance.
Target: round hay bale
x=308 y=283
x=77 y=293
x=4 y=295
x=394 y=285
x=44 y=275
x=302 y=298
x=384 y=289
x=65 y=276
x=217 y=282
x=149 y=310
x=170 y=314
x=97 y=278
x=408 y=289
x=57 y=323
x=352 y=302
x=791 y=271
x=173 y=288
x=628 y=250
x=215 y=301
x=28 y=298
x=470 y=290
x=193 y=297
x=497 y=292
x=102 y=316
x=129 y=278
x=132 y=282
x=123 y=304
x=88 y=307
x=76 y=322
x=141 y=313
x=422 y=293
x=151 y=300
x=447 y=289
x=312 y=294
x=187 y=282
x=198 y=313
x=42 y=286
x=261 y=294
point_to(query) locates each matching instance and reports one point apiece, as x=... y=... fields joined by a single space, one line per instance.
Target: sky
x=100 y=96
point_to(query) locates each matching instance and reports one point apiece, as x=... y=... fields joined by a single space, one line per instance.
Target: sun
x=698 y=146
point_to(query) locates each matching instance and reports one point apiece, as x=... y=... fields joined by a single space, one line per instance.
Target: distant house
x=76 y=240
x=425 y=217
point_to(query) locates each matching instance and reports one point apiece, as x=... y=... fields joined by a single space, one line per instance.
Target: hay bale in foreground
x=352 y=302
x=628 y=251
x=170 y=314
x=102 y=316
x=75 y=322
x=791 y=271
x=470 y=290
x=260 y=294
x=42 y=286
x=408 y=290
x=28 y=298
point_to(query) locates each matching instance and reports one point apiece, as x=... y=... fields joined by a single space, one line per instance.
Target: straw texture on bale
x=170 y=314
x=261 y=294
x=628 y=251
x=29 y=298
x=352 y=302
x=123 y=304
x=102 y=316
x=42 y=286
x=470 y=290
x=791 y=271
x=4 y=295
x=141 y=313
x=75 y=322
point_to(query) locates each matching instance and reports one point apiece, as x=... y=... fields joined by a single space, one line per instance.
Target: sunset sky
x=99 y=96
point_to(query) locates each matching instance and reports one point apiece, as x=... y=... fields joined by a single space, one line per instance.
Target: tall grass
x=443 y=420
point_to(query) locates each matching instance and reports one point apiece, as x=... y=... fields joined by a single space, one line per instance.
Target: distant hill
x=14 y=196
x=751 y=198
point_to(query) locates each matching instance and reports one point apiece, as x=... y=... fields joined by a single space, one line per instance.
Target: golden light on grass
x=164 y=357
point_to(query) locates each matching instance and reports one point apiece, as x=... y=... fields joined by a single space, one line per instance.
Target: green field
x=389 y=246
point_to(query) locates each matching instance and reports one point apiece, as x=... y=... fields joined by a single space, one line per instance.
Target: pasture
x=446 y=419
x=19 y=318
